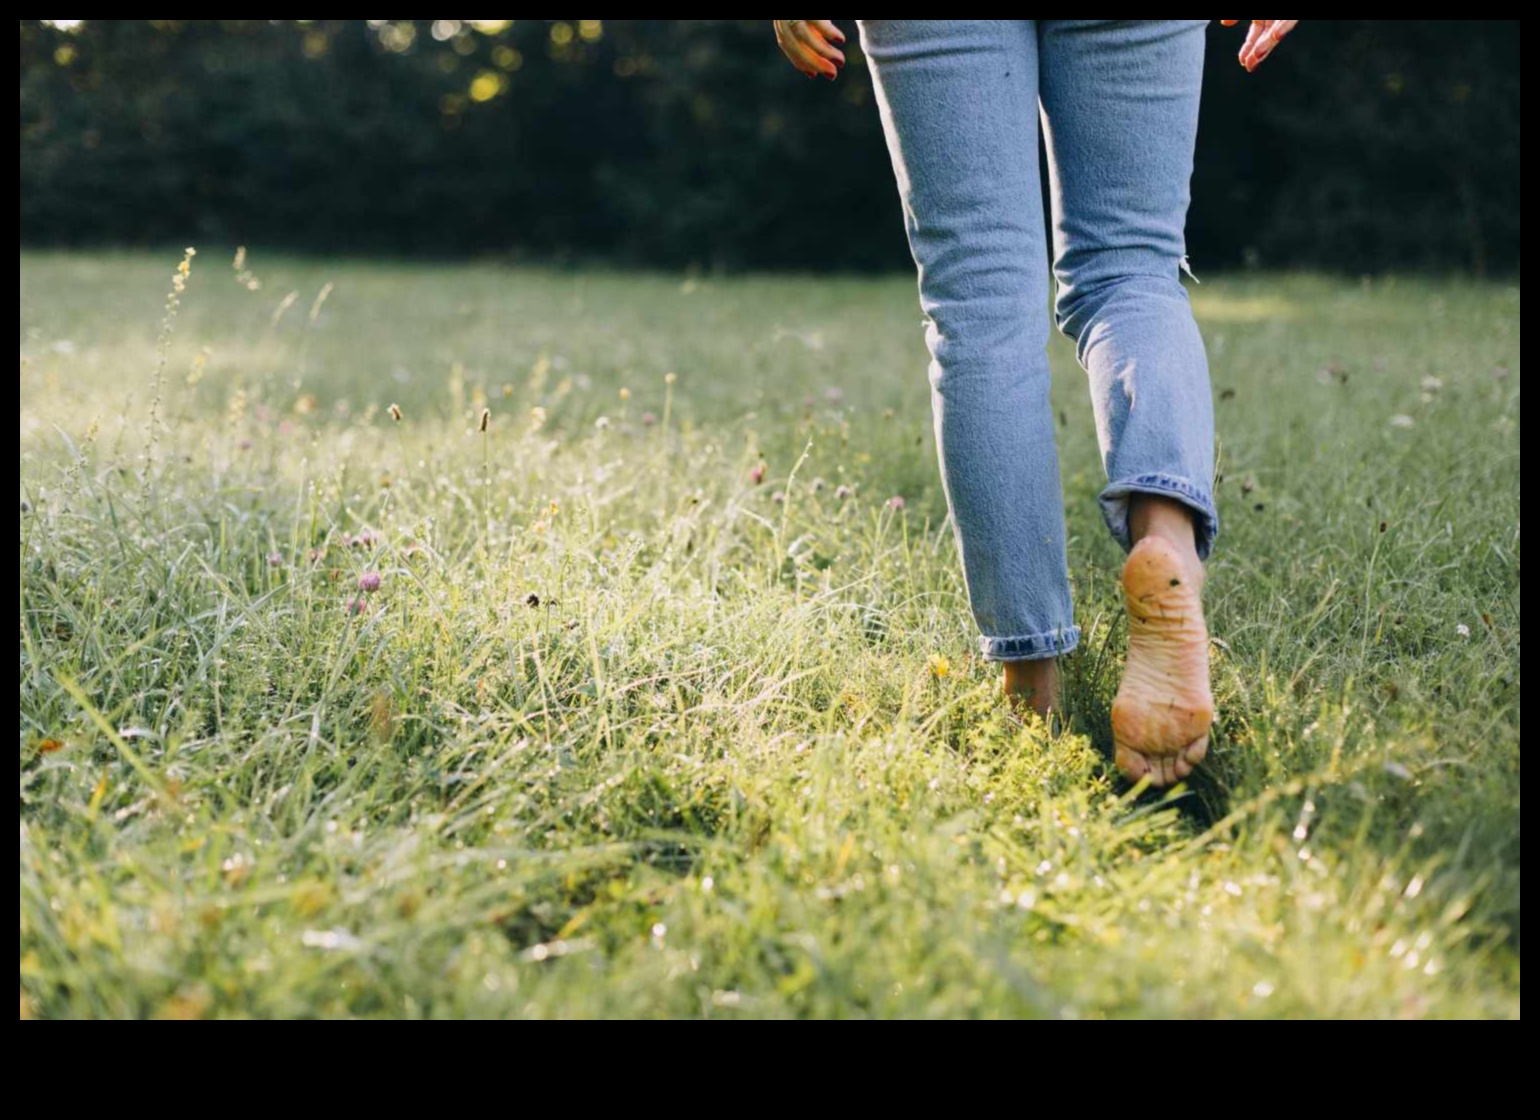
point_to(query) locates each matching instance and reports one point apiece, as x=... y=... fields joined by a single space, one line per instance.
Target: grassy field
x=648 y=697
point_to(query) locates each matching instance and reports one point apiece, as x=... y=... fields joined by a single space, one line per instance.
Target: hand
x=810 y=45
x=1265 y=34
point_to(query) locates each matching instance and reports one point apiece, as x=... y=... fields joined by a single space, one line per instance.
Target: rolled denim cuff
x=1030 y=647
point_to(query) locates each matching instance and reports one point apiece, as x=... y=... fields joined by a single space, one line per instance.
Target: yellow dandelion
x=625 y=394
x=938 y=665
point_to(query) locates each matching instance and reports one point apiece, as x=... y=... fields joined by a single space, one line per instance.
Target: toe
x=1180 y=766
x=1133 y=764
x=1196 y=751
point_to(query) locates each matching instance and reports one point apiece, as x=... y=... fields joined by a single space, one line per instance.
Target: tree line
x=1364 y=145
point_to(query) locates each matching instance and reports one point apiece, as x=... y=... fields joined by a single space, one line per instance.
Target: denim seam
x=1114 y=503
x=1027 y=647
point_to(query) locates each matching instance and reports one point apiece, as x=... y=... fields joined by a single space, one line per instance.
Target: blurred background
x=1363 y=145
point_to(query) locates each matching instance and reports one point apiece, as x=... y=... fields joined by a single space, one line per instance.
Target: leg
x=1120 y=106
x=958 y=100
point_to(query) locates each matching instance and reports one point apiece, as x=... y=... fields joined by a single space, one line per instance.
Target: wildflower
x=243 y=275
x=1431 y=384
x=50 y=746
x=395 y=413
x=670 y=378
x=757 y=472
x=779 y=497
x=625 y=394
x=357 y=606
x=649 y=419
x=306 y=404
x=369 y=582
x=1401 y=420
x=366 y=538
x=896 y=502
x=555 y=509
x=843 y=492
x=274 y=559
x=602 y=423
x=818 y=485
x=938 y=665
x=834 y=394
x=536 y=418
x=1462 y=630
x=244 y=445
x=486 y=419
x=183 y=270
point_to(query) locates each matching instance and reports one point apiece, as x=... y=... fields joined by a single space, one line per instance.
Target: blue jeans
x=960 y=102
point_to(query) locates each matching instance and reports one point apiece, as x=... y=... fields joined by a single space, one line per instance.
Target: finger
x=828 y=30
x=1254 y=35
x=813 y=64
x=1268 y=41
x=797 y=54
x=801 y=55
x=813 y=39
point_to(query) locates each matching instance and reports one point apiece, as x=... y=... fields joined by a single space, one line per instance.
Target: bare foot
x=1161 y=716
x=1033 y=684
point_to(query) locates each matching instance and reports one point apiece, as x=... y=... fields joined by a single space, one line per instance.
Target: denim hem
x=1114 y=503
x=1030 y=647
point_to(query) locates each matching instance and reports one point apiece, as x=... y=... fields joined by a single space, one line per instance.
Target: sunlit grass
x=648 y=700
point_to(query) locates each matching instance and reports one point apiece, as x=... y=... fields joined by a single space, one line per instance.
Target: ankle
x=1034 y=684
x=1170 y=521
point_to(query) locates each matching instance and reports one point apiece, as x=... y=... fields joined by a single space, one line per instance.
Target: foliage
x=1362 y=145
x=646 y=700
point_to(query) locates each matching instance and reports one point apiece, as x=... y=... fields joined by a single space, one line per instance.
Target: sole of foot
x=1161 y=717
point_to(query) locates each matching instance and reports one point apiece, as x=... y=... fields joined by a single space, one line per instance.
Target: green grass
x=713 y=772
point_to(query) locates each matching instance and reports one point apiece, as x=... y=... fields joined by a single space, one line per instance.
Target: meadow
x=464 y=641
